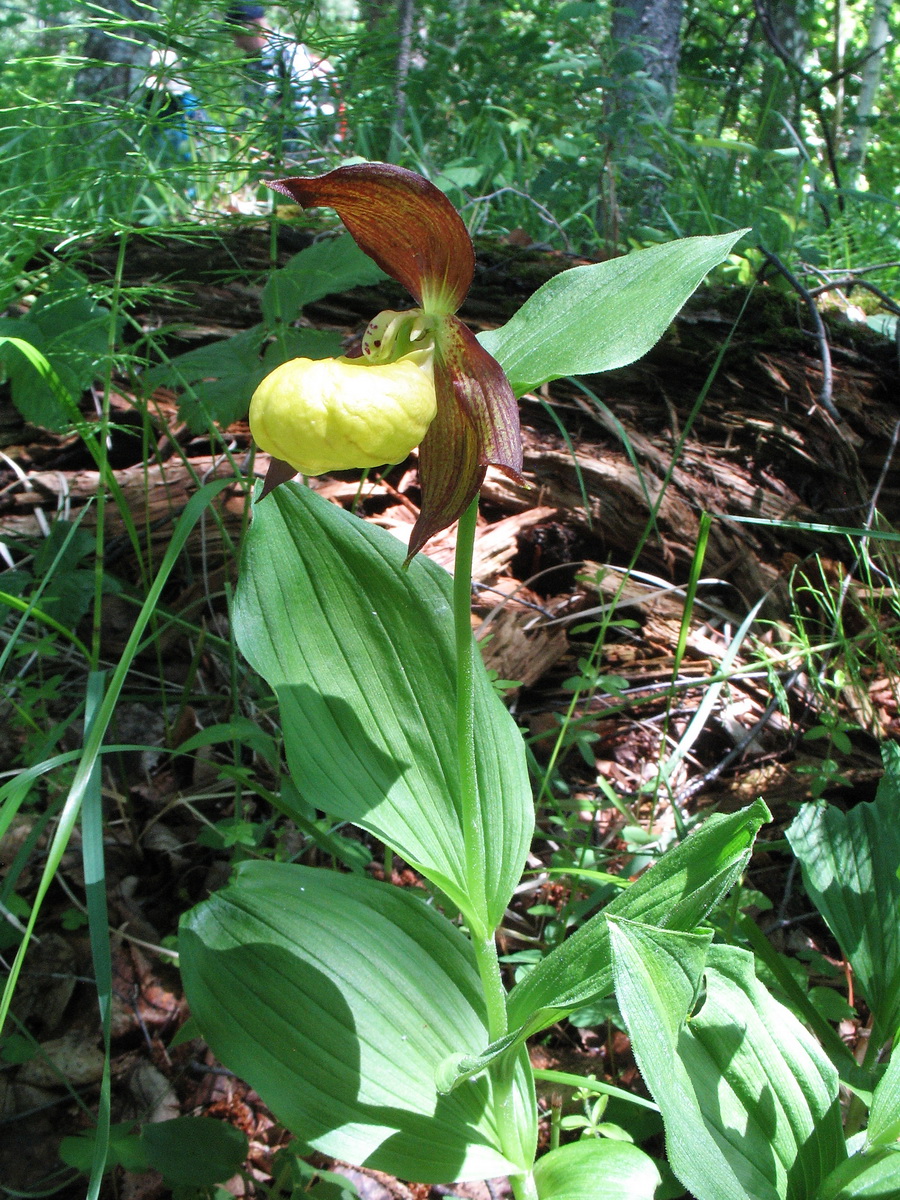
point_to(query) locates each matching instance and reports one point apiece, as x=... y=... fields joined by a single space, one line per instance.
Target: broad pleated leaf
x=599 y=317
x=335 y=997
x=884 y=1115
x=748 y=1098
x=850 y=862
x=596 y=1169
x=675 y=893
x=361 y=655
x=871 y=1176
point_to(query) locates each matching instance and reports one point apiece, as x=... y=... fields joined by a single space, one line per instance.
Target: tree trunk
x=646 y=35
x=879 y=35
x=652 y=30
x=118 y=51
x=405 y=15
x=786 y=23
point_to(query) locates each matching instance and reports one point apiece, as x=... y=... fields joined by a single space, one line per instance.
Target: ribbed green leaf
x=596 y=1169
x=595 y=318
x=850 y=862
x=361 y=655
x=884 y=1115
x=748 y=1099
x=871 y=1176
x=676 y=893
x=336 y=997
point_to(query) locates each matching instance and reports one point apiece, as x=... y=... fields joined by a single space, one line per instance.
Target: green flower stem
x=473 y=834
x=523 y=1187
x=491 y=985
x=473 y=839
x=502 y=1073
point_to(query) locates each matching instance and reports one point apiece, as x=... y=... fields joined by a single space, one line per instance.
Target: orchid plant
x=374 y=1020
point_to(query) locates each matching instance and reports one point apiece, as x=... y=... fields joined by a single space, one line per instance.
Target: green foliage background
x=533 y=120
x=527 y=112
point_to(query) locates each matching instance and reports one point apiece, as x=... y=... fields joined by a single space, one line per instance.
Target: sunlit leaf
x=675 y=893
x=871 y=1176
x=850 y=862
x=748 y=1098
x=884 y=1115
x=360 y=652
x=599 y=317
x=596 y=1169
x=335 y=997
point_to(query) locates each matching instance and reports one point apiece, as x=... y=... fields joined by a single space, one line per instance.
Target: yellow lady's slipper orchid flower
x=422 y=378
x=333 y=414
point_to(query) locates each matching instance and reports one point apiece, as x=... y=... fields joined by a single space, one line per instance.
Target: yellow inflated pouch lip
x=336 y=414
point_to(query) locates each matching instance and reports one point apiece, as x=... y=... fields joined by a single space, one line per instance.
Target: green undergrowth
x=128 y=713
x=77 y=702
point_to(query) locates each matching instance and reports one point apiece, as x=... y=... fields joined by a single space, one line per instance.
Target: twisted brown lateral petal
x=477 y=426
x=449 y=474
x=406 y=224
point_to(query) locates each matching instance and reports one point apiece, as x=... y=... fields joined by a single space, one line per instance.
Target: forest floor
x=619 y=469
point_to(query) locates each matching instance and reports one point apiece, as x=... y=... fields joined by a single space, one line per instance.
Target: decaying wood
x=550 y=557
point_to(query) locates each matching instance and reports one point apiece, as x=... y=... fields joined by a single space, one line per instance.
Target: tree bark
x=785 y=23
x=790 y=55
x=646 y=35
x=652 y=29
x=405 y=16
x=879 y=35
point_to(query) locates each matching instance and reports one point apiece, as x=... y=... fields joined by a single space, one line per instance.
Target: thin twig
x=815 y=97
x=826 y=271
x=695 y=785
x=849 y=283
x=824 y=397
x=781 y=912
x=545 y=213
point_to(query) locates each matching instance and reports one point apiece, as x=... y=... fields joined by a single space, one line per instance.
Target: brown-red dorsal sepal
x=403 y=222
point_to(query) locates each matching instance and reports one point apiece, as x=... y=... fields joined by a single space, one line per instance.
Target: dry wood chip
x=519 y=655
x=153 y=1095
x=73 y=1057
x=141 y=1001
